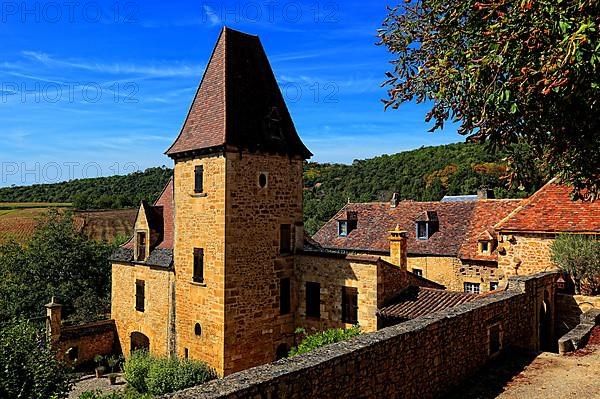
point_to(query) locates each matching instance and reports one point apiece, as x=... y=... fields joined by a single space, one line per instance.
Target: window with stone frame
x=199 y=179
x=494 y=285
x=343 y=228
x=472 y=288
x=313 y=299
x=422 y=230
x=350 y=305
x=285 y=239
x=198 y=275
x=284 y=296
x=495 y=339
x=417 y=272
x=142 y=243
x=140 y=295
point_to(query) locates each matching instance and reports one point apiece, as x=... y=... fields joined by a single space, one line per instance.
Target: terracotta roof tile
x=551 y=210
x=418 y=301
x=239 y=104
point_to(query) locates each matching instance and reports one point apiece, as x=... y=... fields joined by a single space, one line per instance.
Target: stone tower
x=238 y=211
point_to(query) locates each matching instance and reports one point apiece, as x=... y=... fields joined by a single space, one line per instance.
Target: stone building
x=219 y=268
x=452 y=242
x=527 y=233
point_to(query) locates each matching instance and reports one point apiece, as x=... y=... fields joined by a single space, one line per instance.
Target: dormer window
x=141 y=247
x=422 y=230
x=486 y=247
x=343 y=228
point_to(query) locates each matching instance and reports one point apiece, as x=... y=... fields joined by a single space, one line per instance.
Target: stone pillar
x=398 y=247
x=53 y=321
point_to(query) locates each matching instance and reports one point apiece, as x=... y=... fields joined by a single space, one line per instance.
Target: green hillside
x=424 y=174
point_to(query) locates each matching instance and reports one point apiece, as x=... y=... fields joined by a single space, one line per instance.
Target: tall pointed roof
x=239 y=104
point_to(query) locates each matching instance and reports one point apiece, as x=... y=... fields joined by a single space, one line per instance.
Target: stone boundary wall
x=425 y=357
x=87 y=341
x=569 y=309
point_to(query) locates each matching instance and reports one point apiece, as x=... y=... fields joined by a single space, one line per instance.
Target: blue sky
x=98 y=88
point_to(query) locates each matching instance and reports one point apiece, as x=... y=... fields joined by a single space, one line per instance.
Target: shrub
x=320 y=339
x=135 y=370
x=28 y=367
x=127 y=394
x=579 y=256
x=159 y=376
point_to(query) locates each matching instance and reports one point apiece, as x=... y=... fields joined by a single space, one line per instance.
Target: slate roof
x=551 y=210
x=460 y=198
x=458 y=226
x=238 y=104
x=418 y=301
x=161 y=219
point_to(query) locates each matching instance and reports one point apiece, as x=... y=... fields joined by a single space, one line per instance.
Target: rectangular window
x=140 y=295
x=349 y=305
x=472 y=288
x=199 y=179
x=343 y=228
x=422 y=231
x=284 y=296
x=198 y=276
x=285 y=239
x=485 y=246
x=141 y=247
x=493 y=285
x=417 y=272
x=313 y=299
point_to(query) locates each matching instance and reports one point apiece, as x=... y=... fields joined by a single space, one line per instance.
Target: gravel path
x=91 y=383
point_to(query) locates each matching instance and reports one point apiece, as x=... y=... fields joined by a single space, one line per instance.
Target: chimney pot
x=395 y=200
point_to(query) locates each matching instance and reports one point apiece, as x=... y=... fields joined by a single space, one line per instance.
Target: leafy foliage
x=312 y=342
x=127 y=394
x=57 y=261
x=28 y=367
x=113 y=192
x=159 y=376
x=507 y=71
x=579 y=255
x=425 y=174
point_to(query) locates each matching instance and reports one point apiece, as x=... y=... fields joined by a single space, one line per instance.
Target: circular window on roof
x=197 y=329
x=263 y=179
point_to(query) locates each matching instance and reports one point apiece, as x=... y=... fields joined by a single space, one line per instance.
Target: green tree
x=57 y=261
x=578 y=255
x=507 y=71
x=28 y=367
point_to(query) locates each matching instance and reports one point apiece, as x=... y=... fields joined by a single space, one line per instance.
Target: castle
x=220 y=269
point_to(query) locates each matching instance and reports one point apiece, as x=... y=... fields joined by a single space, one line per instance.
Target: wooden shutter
x=285 y=239
x=140 y=294
x=349 y=305
x=313 y=299
x=199 y=179
x=198 y=276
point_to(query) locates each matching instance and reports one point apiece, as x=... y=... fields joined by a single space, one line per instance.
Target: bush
x=128 y=394
x=28 y=367
x=135 y=370
x=578 y=255
x=159 y=376
x=318 y=340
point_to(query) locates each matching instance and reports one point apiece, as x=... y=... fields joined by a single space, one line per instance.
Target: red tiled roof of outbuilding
x=238 y=104
x=552 y=210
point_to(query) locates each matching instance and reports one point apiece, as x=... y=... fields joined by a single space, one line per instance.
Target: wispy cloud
x=163 y=70
x=212 y=18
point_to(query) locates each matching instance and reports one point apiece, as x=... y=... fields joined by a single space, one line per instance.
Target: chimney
x=485 y=193
x=398 y=247
x=53 y=321
x=395 y=200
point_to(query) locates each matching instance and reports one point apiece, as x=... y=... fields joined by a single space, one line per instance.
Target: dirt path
x=546 y=376
x=91 y=383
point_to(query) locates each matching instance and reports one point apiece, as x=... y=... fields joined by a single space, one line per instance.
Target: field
x=19 y=220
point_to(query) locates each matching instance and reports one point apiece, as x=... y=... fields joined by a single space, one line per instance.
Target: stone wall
x=569 y=309
x=437 y=268
x=254 y=266
x=423 y=357
x=153 y=322
x=333 y=273
x=200 y=223
x=86 y=341
x=524 y=253
x=483 y=273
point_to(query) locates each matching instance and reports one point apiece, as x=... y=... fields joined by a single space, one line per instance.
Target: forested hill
x=114 y=192
x=424 y=174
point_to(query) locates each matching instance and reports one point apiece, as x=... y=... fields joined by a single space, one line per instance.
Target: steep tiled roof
x=551 y=210
x=458 y=226
x=481 y=227
x=418 y=301
x=376 y=219
x=239 y=104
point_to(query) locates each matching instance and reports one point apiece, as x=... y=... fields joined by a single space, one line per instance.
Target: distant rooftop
x=460 y=198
